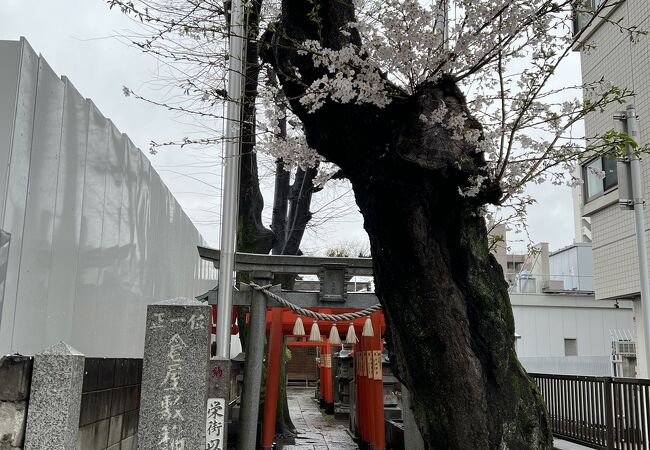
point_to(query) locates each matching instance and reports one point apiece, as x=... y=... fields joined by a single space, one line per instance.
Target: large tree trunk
x=451 y=321
x=443 y=294
x=253 y=236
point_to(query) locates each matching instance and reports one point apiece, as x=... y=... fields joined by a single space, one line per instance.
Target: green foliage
x=494 y=240
x=618 y=143
x=619 y=140
x=613 y=94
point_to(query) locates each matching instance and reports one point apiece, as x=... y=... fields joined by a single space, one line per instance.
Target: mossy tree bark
x=443 y=293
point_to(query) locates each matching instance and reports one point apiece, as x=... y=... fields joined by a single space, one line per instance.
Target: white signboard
x=215 y=424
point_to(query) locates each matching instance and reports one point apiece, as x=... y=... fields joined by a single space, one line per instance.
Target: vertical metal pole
x=639 y=222
x=250 y=401
x=609 y=413
x=230 y=178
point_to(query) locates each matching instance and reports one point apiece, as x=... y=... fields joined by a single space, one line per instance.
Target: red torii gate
x=368 y=370
x=367 y=362
x=332 y=298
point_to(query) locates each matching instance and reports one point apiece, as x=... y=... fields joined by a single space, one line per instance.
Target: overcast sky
x=81 y=39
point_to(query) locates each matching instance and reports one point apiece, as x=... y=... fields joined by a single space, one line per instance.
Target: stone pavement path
x=316 y=431
x=559 y=444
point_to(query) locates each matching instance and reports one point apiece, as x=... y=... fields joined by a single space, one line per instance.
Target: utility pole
x=220 y=366
x=231 y=169
x=632 y=172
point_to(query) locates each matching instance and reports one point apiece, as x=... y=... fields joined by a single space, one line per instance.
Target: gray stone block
x=115 y=430
x=88 y=408
x=118 y=402
x=12 y=424
x=15 y=377
x=174 y=375
x=138 y=370
x=220 y=378
x=104 y=403
x=121 y=367
x=132 y=398
x=412 y=437
x=129 y=423
x=91 y=373
x=55 y=399
x=128 y=372
x=95 y=406
x=93 y=436
x=129 y=443
x=106 y=375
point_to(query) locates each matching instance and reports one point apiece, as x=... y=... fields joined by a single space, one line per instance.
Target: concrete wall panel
x=154 y=233
x=90 y=239
x=95 y=233
x=34 y=273
x=67 y=217
x=110 y=290
x=9 y=72
x=17 y=179
x=544 y=320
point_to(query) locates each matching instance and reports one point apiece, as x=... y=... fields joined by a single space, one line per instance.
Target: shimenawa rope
x=313 y=314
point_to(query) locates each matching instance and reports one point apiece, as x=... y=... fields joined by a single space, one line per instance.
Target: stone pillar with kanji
x=175 y=376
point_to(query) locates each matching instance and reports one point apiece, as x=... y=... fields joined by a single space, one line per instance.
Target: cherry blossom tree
x=431 y=127
x=438 y=113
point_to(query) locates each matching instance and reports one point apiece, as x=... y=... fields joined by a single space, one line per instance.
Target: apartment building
x=609 y=54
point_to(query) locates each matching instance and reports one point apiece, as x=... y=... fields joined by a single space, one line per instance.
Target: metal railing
x=524 y=282
x=600 y=412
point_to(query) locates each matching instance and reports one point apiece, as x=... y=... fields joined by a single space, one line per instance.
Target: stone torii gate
x=332 y=273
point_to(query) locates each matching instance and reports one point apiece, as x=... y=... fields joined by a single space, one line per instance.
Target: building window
x=599 y=176
x=582 y=16
x=570 y=347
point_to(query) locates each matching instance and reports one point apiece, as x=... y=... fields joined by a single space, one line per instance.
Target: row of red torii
x=274 y=320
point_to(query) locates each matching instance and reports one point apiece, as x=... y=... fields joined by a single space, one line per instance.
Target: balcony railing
x=600 y=412
x=524 y=282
